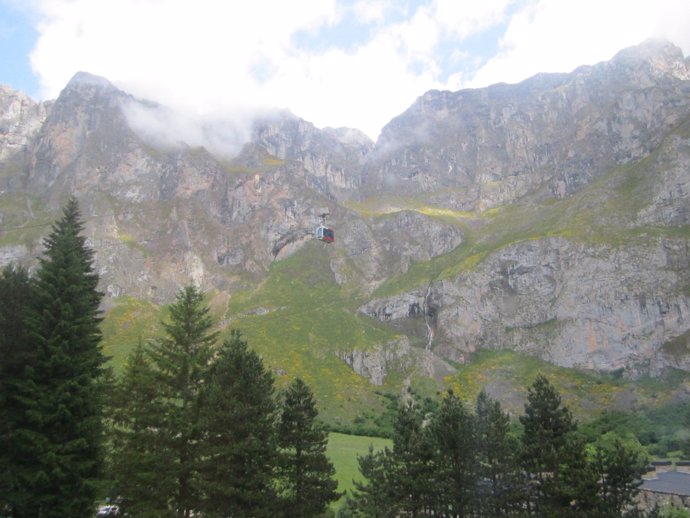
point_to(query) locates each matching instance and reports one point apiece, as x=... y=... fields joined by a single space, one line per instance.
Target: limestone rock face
x=330 y=158
x=617 y=304
x=477 y=149
x=572 y=305
x=397 y=356
x=549 y=217
x=20 y=119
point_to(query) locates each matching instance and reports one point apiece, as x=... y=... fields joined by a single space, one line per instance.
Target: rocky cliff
x=550 y=217
x=554 y=133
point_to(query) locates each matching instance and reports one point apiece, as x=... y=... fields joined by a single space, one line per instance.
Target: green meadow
x=343 y=450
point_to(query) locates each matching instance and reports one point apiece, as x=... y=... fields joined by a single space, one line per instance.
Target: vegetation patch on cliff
x=306 y=320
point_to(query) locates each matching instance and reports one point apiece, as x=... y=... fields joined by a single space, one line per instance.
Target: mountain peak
x=84 y=81
x=663 y=57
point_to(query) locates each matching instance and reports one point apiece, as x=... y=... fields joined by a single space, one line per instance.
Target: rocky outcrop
x=571 y=304
x=395 y=356
x=21 y=119
x=670 y=192
x=331 y=159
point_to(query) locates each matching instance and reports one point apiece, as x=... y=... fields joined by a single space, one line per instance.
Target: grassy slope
x=128 y=322
x=24 y=219
x=309 y=320
x=344 y=397
x=507 y=374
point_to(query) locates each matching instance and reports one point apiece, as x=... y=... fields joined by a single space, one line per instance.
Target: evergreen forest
x=195 y=426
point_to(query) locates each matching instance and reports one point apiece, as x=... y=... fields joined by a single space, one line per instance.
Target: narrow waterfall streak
x=427 y=320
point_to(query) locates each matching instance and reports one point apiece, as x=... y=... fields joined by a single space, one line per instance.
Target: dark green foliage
x=237 y=416
x=431 y=471
x=62 y=390
x=546 y=446
x=194 y=424
x=375 y=497
x=140 y=463
x=453 y=436
x=574 y=487
x=413 y=456
x=659 y=428
x=17 y=355
x=305 y=475
x=459 y=464
x=157 y=434
x=404 y=480
x=618 y=468
x=180 y=362
x=616 y=421
x=499 y=493
x=546 y=423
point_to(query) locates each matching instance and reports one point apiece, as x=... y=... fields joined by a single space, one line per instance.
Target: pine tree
x=64 y=437
x=180 y=362
x=306 y=474
x=497 y=459
x=575 y=488
x=17 y=356
x=413 y=474
x=453 y=435
x=618 y=467
x=547 y=447
x=374 y=496
x=140 y=463
x=238 y=421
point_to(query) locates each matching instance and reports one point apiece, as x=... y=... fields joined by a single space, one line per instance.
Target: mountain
x=550 y=218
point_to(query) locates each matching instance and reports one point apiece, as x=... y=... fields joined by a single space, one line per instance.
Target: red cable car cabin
x=325 y=234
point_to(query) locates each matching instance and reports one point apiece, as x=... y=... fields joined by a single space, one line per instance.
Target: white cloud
x=370 y=11
x=467 y=18
x=192 y=53
x=556 y=36
x=215 y=57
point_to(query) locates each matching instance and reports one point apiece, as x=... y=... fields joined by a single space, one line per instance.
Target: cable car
x=324 y=233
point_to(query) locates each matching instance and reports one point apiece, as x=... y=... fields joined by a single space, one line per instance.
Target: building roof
x=670 y=482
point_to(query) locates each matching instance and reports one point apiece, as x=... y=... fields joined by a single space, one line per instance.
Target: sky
x=353 y=63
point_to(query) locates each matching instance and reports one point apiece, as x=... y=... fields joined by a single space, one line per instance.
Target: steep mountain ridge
x=478 y=149
x=549 y=217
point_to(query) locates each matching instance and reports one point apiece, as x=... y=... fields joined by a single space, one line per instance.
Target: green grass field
x=343 y=451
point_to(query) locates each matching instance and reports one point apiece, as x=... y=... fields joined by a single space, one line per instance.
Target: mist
x=222 y=134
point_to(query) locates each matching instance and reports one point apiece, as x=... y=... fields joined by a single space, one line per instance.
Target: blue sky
x=17 y=39
x=335 y=63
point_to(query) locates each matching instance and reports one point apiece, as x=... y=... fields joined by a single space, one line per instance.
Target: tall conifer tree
x=375 y=495
x=17 y=356
x=453 y=435
x=181 y=362
x=140 y=462
x=414 y=478
x=238 y=421
x=497 y=459
x=66 y=396
x=305 y=473
x=550 y=451
x=618 y=467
